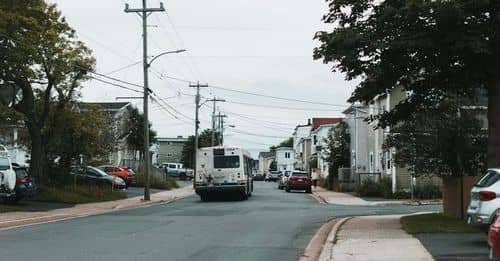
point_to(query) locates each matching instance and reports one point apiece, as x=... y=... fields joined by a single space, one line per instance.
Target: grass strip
x=435 y=223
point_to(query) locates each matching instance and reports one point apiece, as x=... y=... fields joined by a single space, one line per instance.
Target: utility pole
x=214 y=100
x=144 y=12
x=196 y=126
x=221 y=127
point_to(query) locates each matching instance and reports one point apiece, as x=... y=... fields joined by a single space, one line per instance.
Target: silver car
x=485 y=200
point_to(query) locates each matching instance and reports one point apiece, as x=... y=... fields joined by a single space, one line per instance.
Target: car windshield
x=298 y=174
x=21 y=172
x=489 y=179
x=96 y=172
x=226 y=162
x=4 y=164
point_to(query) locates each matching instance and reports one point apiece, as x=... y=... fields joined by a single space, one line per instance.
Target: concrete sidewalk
x=19 y=219
x=373 y=238
x=339 y=198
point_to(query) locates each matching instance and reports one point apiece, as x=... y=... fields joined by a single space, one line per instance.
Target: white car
x=7 y=174
x=485 y=200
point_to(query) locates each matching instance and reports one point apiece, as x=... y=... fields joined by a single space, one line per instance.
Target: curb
x=319 y=198
x=327 y=252
x=315 y=246
x=60 y=217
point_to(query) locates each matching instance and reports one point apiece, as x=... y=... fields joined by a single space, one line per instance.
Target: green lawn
x=435 y=223
x=77 y=195
x=9 y=208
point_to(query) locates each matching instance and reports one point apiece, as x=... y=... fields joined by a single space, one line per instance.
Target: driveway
x=456 y=246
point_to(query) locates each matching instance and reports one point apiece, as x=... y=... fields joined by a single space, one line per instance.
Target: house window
x=315 y=139
x=287 y=155
x=372 y=162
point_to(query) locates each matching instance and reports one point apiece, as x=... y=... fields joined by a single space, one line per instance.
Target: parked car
x=284 y=179
x=121 y=172
x=273 y=176
x=299 y=180
x=177 y=170
x=259 y=177
x=485 y=200
x=25 y=185
x=7 y=173
x=94 y=175
x=494 y=238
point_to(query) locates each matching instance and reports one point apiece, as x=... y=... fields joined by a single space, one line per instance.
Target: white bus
x=223 y=170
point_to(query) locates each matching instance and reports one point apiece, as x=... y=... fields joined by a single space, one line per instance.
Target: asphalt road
x=447 y=247
x=271 y=225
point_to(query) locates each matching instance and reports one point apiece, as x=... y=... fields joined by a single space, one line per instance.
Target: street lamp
x=146 y=120
x=164 y=53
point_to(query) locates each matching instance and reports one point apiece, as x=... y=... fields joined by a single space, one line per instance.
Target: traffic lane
x=271 y=225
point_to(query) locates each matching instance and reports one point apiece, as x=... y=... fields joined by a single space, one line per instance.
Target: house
x=319 y=147
x=307 y=140
x=285 y=158
x=265 y=160
x=169 y=149
x=301 y=145
x=116 y=114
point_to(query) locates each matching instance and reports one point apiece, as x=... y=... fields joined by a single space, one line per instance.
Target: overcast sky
x=257 y=46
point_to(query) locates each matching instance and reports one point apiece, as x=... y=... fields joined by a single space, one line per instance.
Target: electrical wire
x=282 y=107
x=116 y=85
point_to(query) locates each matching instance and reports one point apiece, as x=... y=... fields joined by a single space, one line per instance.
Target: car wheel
x=287 y=190
x=309 y=191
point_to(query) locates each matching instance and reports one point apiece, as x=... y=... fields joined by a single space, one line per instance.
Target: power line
x=259 y=135
x=283 y=107
x=123 y=68
x=116 y=85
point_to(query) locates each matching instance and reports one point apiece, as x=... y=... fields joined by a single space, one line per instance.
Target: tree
x=442 y=144
x=286 y=143
x=337 y=152
x=204 y=140
x=433 y=49
x=134 y=130
x=273 y=166
x=75 y=134
x=42 y=58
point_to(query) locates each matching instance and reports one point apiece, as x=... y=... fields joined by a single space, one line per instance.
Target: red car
x=494 y=238
x=121 y=172
x=298 y=180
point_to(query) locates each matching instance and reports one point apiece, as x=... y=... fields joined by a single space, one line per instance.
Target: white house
x=301 y=145
x=319 y=147
x=285 y=158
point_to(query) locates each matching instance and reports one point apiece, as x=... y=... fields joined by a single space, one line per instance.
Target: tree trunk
x=37 y=152
x=494 y=124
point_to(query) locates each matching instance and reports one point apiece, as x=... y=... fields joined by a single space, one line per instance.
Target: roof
x=316 y=122
x=284 y=148
x=166 y=139
x=106 y=106
x=266 y=154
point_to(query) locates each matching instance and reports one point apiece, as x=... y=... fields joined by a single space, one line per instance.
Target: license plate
x=300 y=180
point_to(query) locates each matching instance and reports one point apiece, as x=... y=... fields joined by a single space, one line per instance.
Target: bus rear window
x=226 y=162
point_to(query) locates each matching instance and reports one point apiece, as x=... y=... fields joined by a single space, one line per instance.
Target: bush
x=427 y=191
x=370 y=188
x=77 y=194
x=156 y=183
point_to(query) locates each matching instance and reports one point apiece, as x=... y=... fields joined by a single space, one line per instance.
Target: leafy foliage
x=337 y=151
x=45 y=62
x=273 y=166
x=430 y=48
x=134 y=130
x=204 y=140
x=440 y=142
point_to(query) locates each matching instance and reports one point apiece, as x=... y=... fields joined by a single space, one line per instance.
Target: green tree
x=204 y=140
x=273 y=166
x=429 y=48
x=443 y=144
x=286 y=143
x=337 y=152
x=75 y=133
x=134 y=130
x=43 y=59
